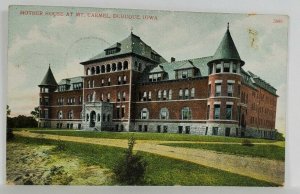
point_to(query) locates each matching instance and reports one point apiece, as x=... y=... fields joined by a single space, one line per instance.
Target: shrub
x=247 y=142
x=130 y=170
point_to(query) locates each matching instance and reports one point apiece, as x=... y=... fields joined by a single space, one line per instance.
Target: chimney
x=172 y=59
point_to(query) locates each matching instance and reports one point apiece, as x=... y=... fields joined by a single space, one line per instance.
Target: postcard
x=140 y=97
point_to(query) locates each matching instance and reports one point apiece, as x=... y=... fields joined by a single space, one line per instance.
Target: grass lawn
x=160 y=170
x=148 y=136
x=266 y=151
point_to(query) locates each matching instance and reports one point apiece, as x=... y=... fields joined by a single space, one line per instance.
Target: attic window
x=112 y=51
x=185 y=73
x=155 y=77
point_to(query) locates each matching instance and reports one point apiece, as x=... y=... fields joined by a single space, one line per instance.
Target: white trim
x=230 y=103
x=218 y=81
x=209 y=82
x=217 y=102
x=183 y=100
x=106 y=86
x=231 y=81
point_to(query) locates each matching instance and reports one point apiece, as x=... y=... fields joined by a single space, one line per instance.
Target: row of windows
x=167 y=94
x=70 y=101
x=44 y=90
x=107 y=68
x=186 y=114
x=217 y=112
x=218 y=89
x=68 y=125
x=44 y=101
x=224 y=68
x=120 y=80
x=70 y=114
x=105 y=118
x=121 y=96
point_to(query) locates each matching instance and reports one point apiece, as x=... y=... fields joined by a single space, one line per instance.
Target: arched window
x=89 y=84
x=170 y=94
x=98 y=117
x=180 y=94
x=93 y=83
x=70 y=114
x=159 y=94
x=60 y=114
x=164 y=94
x=125 y=65
x=186 y=113
x=114 y=67
x=88 y=71
x=119 y=66
x=97 y=70
x=93 y=70
x=108 y=97
x=164 y=113
x=124 y=96
x=124 y=79
x=108 y=81
x=186 y=93
x=103 y=69
x=145 y=113
x=193 y=93
x=108 y=68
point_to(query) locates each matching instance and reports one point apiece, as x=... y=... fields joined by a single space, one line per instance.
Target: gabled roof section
x=70 y=82
x=186 y=65
x=49 y=79
x=171 y=67
x=157 y=69
x=130 y=45
x=227 y=48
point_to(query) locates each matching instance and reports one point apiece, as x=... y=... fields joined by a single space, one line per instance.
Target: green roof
x=131 y=44
x=187 y=65
x=157 y=69
x=257 y=81
x=70 y=82
x=170 y=67
x=227 y=49
x=49 y=79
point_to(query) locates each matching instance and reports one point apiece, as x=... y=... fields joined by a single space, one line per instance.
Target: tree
x=35 y=113
x=131 y=169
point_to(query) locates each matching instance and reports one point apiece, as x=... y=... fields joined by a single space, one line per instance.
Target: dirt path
x=259 y=168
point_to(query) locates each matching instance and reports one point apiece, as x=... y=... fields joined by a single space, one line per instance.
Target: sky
x=39 y=36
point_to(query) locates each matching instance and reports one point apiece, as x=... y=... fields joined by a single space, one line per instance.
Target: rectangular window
x=124 y=79
x=215 y=130
x=234 y=68
x=149 y=95
x=165 y=129
x=193 y=93
x=46 y=101
x=123 y=112
x=145 y=128
x=145 y=96
x=150 y=78
x=159 y=77
x=159 y=95
x=217 y=111
x=140 y=128
x=108 y=81
x=108 y=97
x=170 y=94
x=118 y=112
x=209 y=90
x=180 y=129
x=218 y=68
x=187 y=129
x=165 y=95
x=46 y=114
x=229 y=112
x=208 y=112
x=229 y=89
x=119 y=80
x=226 y=67
x=144 y=114
x=124 y=96
x=218 y=89
x=158 y=129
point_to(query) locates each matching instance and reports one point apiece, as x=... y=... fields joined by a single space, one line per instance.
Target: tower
x=224 y=85
x=47 y=86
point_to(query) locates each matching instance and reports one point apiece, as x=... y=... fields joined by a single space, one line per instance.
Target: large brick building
x=130 y=87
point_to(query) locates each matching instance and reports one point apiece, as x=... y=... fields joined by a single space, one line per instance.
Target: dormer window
x=155 y=77
x=154 y=56
x=234 y=68
x=184 y=73
x=218 y=68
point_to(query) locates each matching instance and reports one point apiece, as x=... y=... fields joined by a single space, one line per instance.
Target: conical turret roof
x=227 y=49
x=49 y=79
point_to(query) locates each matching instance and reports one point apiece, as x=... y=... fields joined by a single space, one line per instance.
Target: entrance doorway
x=92 y=119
